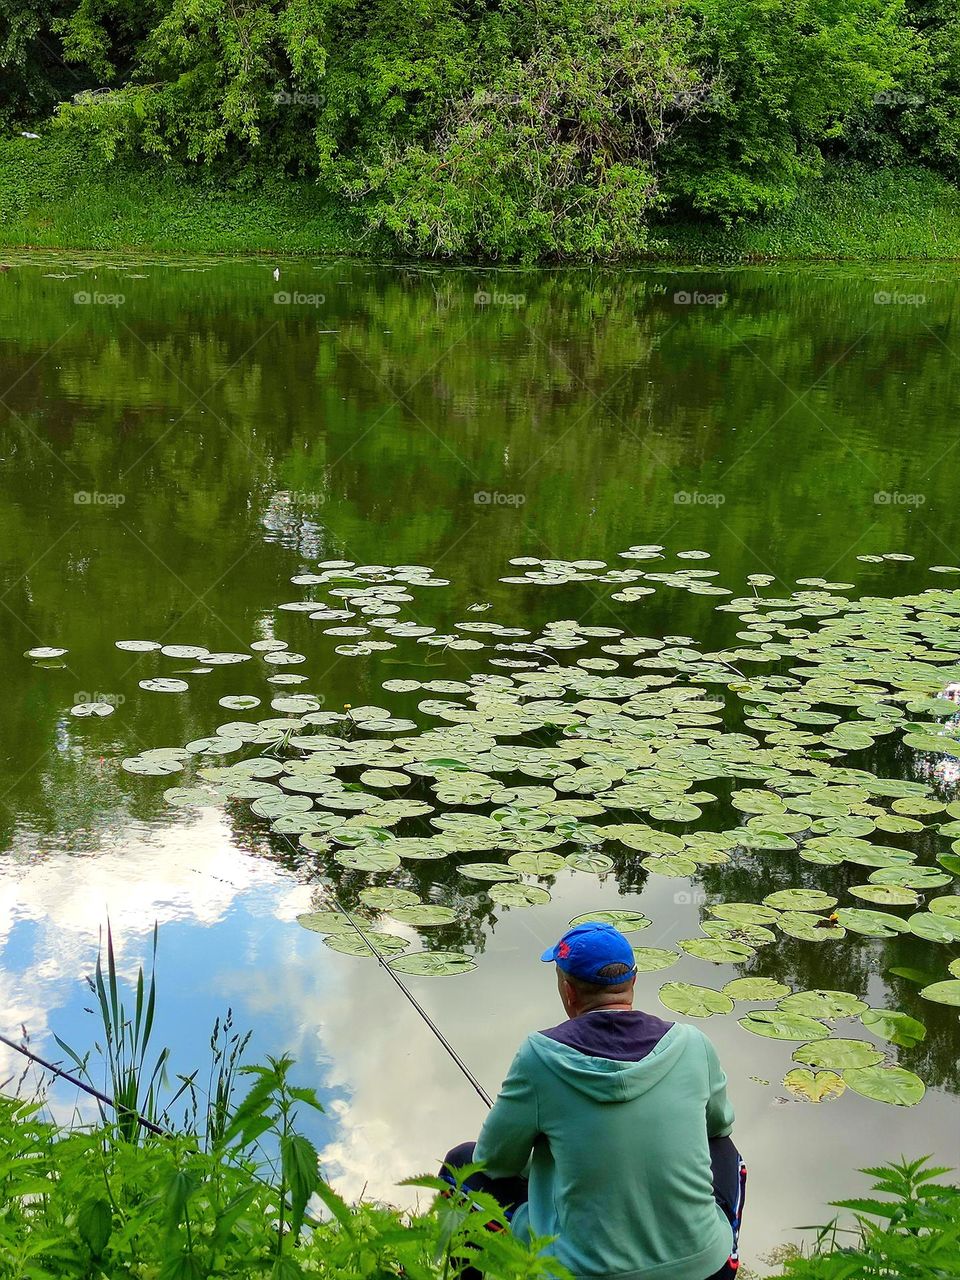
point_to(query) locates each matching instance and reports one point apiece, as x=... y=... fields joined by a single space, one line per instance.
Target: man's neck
x=603 y=1008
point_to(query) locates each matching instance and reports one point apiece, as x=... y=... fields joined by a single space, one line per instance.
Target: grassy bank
x=54 y=194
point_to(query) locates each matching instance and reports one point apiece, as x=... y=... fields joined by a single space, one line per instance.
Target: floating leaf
x=778 y=1024
x=893 y=1085
x=755 y=989
x=839 y=1054
x=598 y=863
x=537 y=864
x=326 y=922
x=944 y=992
x=823 y=1004
x=800 y=900
x=898 y=1028
x=385 y=898
x=813 y=1086
x=694 y=1001
x=887 y=895
x=717 y=950
x=352 y=944
x=518 y=895
x=165 y=686
x=433 y=963
x=650 y=959
x=423 y=915
x=625 y=921
x=489 y=871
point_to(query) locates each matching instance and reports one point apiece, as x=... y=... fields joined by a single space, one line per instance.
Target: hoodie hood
x=608 y=1080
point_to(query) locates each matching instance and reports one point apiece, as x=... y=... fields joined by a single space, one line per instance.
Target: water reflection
x=239 y=443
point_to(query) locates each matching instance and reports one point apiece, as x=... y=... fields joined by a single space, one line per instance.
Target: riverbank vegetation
x=591 y=131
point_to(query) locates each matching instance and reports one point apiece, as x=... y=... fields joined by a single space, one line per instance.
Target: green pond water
x=179 y=440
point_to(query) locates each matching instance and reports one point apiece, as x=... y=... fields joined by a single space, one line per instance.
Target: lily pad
x=894 y=1085
x=650 y=959
x=778 y=1024
x=823 y=1004
x=717 y=950
x=424 y=915
x=433 y=964
x=625 y=921
x=944 y=992
x=898 y=1028
x=755 y=989
x=351 y=944
x=812 y=1086
x=800 y=900
x=839 y=1054
x=694 y=1001
x=518 y=895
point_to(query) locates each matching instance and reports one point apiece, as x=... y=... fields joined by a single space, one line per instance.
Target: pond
x=574 y=549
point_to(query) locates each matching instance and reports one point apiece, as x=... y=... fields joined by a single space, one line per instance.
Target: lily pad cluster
x=579 y=749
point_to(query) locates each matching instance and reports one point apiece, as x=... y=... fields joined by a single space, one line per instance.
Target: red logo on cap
x=563 y=950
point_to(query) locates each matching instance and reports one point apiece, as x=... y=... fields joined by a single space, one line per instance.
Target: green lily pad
x=650 y=959
x=518 y=895
x=823 y=1004
x=434 y=964
x=694 y=1001
x=872 y=924
x=744 y=913
x=801 y=900
x=898 y=1028
x=887 y=895
x=385 y=898
x=367 y=859
x=325 y=922
x=537 y=864
x=778 y=1024
x=948 y=905
x=625 y=921
x=424 y=915
x=488 y=871
x=598 y=863
x=812 y=1086
x=894 y=1085
x=352 y=944
x=935 y=928
x=944 y=992
x=809 y=927
x=717 y=950
x=755 y=989
x=838 y=1054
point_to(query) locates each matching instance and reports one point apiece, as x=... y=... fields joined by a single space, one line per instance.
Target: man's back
x=617 y=1107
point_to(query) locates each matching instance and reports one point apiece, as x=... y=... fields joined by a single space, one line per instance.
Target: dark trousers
x=729 y=1188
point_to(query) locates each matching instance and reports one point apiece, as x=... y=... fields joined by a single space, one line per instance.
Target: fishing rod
x=87 y=1088
x=478 y=1087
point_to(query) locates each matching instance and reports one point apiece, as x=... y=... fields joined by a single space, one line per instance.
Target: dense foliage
x=502 y=130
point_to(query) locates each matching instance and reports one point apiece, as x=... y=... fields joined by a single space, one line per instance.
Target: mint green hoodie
x=620 y=1168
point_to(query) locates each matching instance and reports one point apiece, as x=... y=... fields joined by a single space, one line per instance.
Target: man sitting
x=610 y=1131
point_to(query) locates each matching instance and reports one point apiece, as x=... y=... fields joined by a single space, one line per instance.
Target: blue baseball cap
x=587 y=948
